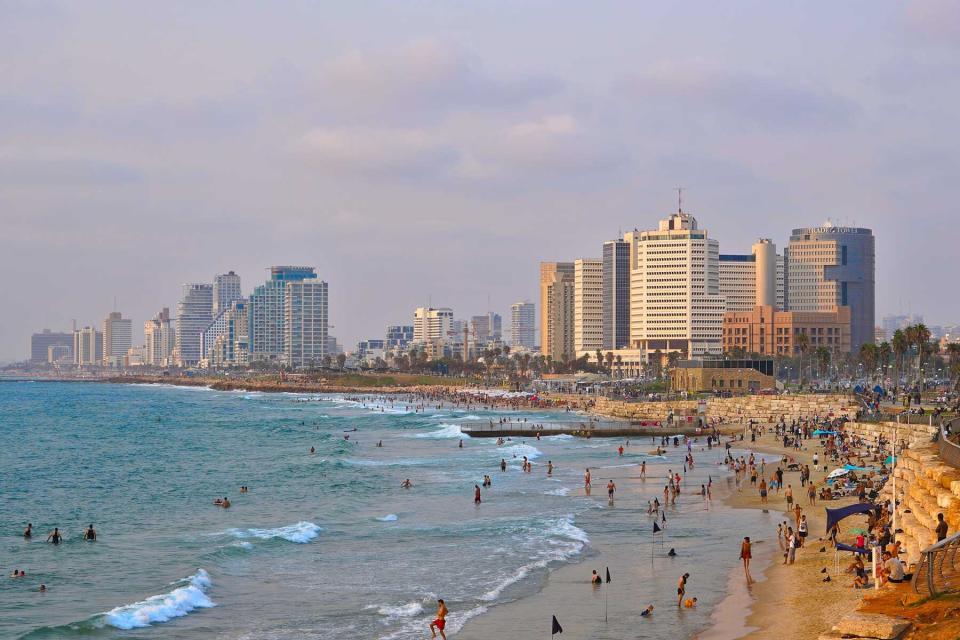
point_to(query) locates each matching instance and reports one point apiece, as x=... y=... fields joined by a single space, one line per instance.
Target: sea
x=326 y=544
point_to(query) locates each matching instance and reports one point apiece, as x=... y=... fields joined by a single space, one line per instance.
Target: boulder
x=871 y=625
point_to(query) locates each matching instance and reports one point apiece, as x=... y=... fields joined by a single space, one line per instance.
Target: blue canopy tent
x=821 y=432
x=851 y=548
x=836 y=515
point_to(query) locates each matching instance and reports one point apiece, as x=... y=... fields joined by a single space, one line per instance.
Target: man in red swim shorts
x=441 y=621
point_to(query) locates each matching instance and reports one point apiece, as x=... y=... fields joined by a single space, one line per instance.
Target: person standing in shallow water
x=745 y=555
x=476 y=494
x=441 y=620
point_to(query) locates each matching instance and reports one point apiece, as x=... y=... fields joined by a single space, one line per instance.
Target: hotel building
x=588 y=306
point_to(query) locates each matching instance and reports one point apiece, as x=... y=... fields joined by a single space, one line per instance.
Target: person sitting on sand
x=441 y=620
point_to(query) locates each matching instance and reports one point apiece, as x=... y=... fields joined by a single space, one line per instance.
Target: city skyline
x=232 y=157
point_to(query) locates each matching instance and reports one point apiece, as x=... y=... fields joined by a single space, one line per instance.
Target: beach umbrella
x=837 y=473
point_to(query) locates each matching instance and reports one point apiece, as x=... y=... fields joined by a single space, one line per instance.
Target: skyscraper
x=588 y=288
x=117 y=339
x=556 y=309
x=752 y=279
x=829 y=267
x=675 y=301
x=523 y=321
x=159 y=340
x=194 y=312
x=266 y=312
x=40 y=344
x=226 y=289
x=305 y=323
x=87 y=347
x=431 y=325
x=616 y=294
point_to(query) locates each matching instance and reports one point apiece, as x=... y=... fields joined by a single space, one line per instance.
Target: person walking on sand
x=441 y=620
x=763 y=490
x=788 y=494
x=745 y=555
x=681 y=589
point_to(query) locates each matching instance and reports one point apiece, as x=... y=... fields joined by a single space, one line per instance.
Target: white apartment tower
x=194 y=313
x=587 y=306
x=117 y=339
x=159 y=340
x=430 y=325
x=305 y=323
x=226 y=289
x=87 y=347
x=523 y=324
x=675 y=301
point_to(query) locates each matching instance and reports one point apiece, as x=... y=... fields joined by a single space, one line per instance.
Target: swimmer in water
x=312 y=450
x=90 y=534
x=55 y=536
x=28 y=532
x=406 y=484
x=226 y=503
x=476 y=494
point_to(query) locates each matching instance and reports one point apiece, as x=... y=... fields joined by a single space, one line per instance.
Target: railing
x=937 y=571
x=949 y=451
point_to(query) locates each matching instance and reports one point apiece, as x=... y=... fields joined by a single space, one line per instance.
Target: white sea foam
x=398 y=611
x=471 y=417
x=521 y=449
x=559 y=437
x=445 y=431
x=390 y=517
x=178 y=602
x=243 y=544
x=301 y=533
x=562 y=540
x=562 y=491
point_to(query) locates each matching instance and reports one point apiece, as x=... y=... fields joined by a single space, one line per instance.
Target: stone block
x=871 y=625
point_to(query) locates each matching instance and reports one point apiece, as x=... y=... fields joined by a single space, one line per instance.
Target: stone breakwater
x=764 y=409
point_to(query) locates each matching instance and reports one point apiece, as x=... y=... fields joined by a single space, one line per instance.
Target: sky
x=435 y=152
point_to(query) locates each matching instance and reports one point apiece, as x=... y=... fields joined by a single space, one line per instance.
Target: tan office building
x=587 y=305
x=770 y=332
x=556 y=310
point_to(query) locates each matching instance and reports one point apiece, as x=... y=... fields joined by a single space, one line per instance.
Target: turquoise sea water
x=323 y=546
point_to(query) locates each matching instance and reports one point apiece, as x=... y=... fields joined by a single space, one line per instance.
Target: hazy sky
x=437 y=151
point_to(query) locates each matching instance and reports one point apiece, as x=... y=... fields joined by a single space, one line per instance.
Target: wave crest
x=177 y=603
x=301 y=532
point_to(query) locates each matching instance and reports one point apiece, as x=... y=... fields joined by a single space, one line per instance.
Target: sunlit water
x=323 y=546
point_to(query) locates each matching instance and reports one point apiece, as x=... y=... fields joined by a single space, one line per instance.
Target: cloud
x=937 y=19
x=423 y=78
x=711 y=93
x=51 y=167
x=376 y=151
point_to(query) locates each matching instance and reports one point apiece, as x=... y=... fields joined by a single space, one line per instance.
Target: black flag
x=656 y=528
x=663 y=516
x=608 y=575
x=556 y=628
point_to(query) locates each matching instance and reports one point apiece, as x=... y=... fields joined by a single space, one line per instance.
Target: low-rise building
x=734 y=376
x=766 y=331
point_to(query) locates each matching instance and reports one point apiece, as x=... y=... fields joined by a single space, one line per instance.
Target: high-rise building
x=41 y=342
x=829 y=267
x=675 y=301
x=305 y=323
x=87 y=347
x=752 y=279
x=616 y=294
x=523 y=322
x=209 y=335
x=266 y=312
x=399 y=335
x=226 y=289
x=480 y=329
x=556 y=310
x=193 y=316
x=588 y=289
x=159 y=340
x=117 y=339
x=432 y=325
x=891 y=323
x=60 y=354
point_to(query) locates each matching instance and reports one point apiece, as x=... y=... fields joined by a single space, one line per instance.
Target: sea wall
x=925 y=487
x=756 y=407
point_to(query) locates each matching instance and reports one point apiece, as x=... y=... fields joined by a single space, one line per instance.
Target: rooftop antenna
x=679 y=199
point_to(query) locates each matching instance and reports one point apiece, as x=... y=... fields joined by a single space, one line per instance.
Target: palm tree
x=823 y=360
x=341 y=360
x=801 y=345
x=609 y=360
x=619 y=360
x=900 y=345
x=953 y=351
x=599 y=355
x=883 y=352
x=921 y=338
x=868 y=357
